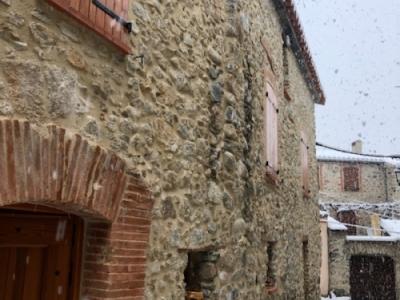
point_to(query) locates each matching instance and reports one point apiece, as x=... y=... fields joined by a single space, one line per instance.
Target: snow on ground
x=332 y=296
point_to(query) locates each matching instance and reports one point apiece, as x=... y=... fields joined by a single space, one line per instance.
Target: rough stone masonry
x=189 y=122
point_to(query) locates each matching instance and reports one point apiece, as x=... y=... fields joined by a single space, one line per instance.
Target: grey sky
x=356 y=48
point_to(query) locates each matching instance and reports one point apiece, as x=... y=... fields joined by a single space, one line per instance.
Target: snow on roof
x=332 y=296
x=371 y=238
x=335 y=224
x=391 y=226
x=323 y=214
x=346 y=206
x=333 y=155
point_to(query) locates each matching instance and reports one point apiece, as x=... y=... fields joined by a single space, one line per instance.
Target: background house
x=174 y=160
x=359 y=199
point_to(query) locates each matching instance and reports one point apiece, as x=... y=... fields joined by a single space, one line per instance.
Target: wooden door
x=37 y=255
x=372 y=278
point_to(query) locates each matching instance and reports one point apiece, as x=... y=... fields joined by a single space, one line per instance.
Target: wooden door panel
x=20 y=268
x=56 y=273
x=33 y=273
x=10 y=278
x=4 y=259
x=7 y=260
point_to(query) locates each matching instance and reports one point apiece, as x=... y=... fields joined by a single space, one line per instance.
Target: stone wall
x=338 y=263
x=377 y=183
x=189 y=121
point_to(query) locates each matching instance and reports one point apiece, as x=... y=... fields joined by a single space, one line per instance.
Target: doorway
x=40 y=254
x=372 y=278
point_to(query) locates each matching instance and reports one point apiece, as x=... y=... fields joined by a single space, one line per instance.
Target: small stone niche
x=271 y=280
x=200 y=275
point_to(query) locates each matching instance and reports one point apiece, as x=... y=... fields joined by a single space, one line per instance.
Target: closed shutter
x=305 y=165
x=351 y=179
x=88 y=14
x=271 y=132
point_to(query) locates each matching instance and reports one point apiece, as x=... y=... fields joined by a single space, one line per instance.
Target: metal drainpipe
x=386 y=182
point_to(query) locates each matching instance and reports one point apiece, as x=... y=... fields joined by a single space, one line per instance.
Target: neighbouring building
x=360 y=224
x=165 y=154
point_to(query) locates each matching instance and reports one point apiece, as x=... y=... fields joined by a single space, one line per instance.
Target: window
x=348 y=217
x=200 y=274
x=285 y=51
x=88 y=14
x=271 y=130
x=304 y=165
x=306 y=270
x=351 y=179
x=270 y=282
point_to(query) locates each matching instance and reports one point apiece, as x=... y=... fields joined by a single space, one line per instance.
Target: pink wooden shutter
x=88 y=14
x=305 y=165
x=351 y=179
x=271 y=132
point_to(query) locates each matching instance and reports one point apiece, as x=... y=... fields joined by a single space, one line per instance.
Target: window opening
x=285 y=51
x=271 y=280
x=200 y=274
x=348 y=217
x=306 y=269
x=305 y=165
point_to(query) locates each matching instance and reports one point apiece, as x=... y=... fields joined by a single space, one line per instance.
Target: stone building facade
x=155 y=141
x=360 y=192
x=375 y=179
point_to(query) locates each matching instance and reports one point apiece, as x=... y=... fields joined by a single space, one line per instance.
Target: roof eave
x=292 y=27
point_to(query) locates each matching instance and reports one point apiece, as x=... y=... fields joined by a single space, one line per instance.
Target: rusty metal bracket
x=141 y=57
x=127 y=25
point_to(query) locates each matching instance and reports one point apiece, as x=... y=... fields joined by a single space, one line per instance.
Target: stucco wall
x=189 y=121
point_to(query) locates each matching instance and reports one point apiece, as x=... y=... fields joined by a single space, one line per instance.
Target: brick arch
x=65 y=171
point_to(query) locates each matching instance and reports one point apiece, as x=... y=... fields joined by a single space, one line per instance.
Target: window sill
x=272 y=177
x=271 y=289
x=287 y=94
x=194 y=295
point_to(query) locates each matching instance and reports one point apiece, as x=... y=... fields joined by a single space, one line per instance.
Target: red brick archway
x=65 y=171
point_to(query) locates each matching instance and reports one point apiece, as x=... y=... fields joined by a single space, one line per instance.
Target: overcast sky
x=355 y=45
